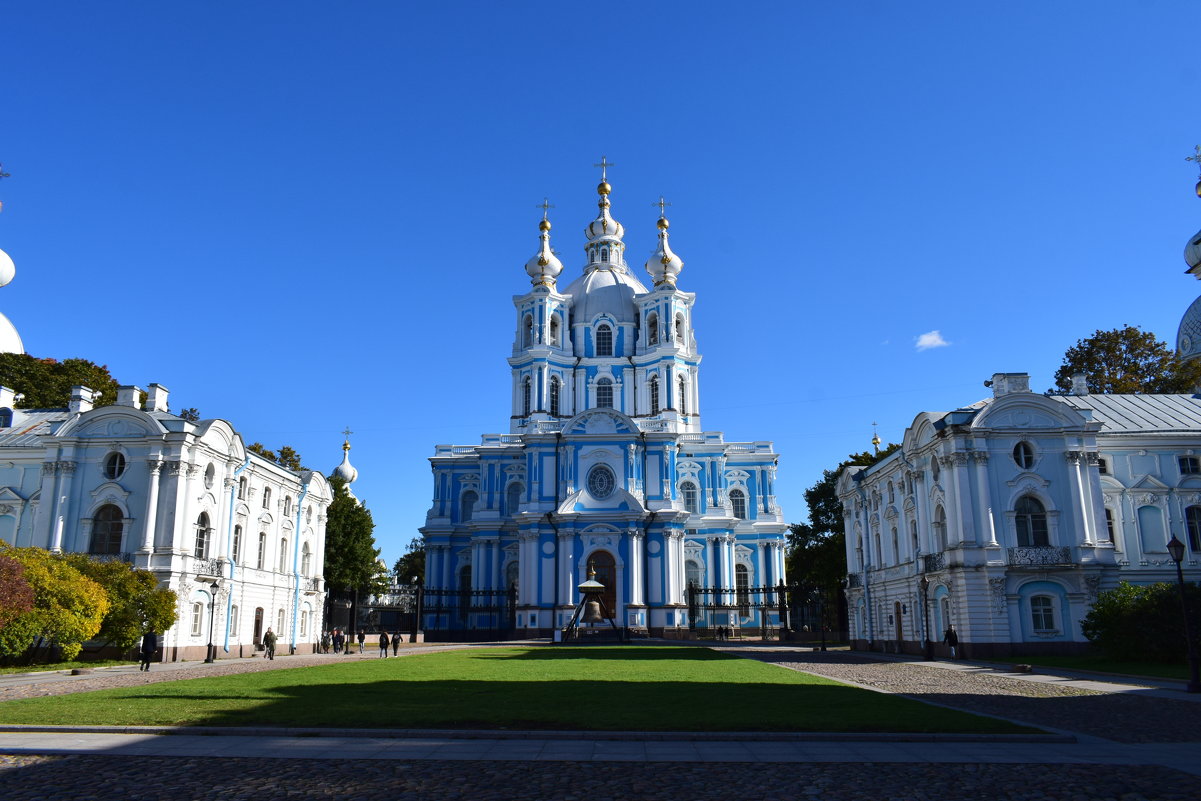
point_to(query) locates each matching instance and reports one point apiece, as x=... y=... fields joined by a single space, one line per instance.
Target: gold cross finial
x=1196 y=157
x=604 y=165
x=347 y=432
x=544 y=205
x=662 y=204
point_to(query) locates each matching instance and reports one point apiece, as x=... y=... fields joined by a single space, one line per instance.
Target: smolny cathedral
x=606 y=467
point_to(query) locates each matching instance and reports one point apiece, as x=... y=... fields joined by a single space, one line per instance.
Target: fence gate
x=754 y=611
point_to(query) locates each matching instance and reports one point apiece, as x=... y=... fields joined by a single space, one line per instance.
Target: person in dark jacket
x=339 y=641
x=269 y=643
x=951 y=639
x=149 y=646
x=395 y=643
x=383 y=645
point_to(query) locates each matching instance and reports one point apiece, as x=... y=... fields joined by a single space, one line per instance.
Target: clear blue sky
x=306 y=216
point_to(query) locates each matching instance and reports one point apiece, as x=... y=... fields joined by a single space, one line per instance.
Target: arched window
x=940 y=530
x=266 y=497
x=738 y=503
x=261 y=560
x=604 y=340
x=526 y=386
x=689 y=494
x=1023 y=455
x=467 y=506
x=237 y=554
x=283 y=555
x=681 y=403
x=1042 y=613
x=742 y=589
x=896 y=546
x=604 y=254
x=203 y=535
x=1031 y=519
x=680 y=331
x=306 y=560
x=654 y=393
x=604 y=394
x=280 y=619
x=554 y=331
x=107 y=527
x=197 y=619
x=652 y=329
x=513 y=498
x=287 y=506
x=1192 y=523
x=554 y=396
x=527 y=331
x=512 y=571
x=464 y=592
x=694 y=573
x=233 y=621
x=242 y=488
x=114 y=466
x=892 y=493
x=1109 y=525
x=304 y=621
x=913 y=537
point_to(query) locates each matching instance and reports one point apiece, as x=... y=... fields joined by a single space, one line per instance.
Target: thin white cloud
x=931 y=339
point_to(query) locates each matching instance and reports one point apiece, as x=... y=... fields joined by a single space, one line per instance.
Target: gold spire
x=1197 y=158
x=545 y=224
x=875 y=439
x=603 y=187
x=346 y=442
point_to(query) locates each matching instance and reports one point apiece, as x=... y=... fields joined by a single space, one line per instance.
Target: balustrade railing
x=208 y=567
x=1034 y=555
x=934 y=562
x=854 y=580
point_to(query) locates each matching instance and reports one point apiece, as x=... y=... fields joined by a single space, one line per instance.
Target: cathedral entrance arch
x=606 y=573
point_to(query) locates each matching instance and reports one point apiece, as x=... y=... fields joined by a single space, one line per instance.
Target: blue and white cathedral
x=606 y=465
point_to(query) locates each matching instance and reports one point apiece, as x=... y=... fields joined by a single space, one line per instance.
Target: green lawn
x=593 y=688
x=1162 y=670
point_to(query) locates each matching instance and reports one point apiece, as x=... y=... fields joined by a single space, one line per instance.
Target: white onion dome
x=608 y=292
x=604 y=226
x=545 y=266
x=8 y=270
x=10 y=340
x=1192 y=251
x=346 y=470
x=663 y=265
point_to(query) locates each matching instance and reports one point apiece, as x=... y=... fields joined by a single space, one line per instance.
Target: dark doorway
x=258 y=626
x=606 y=573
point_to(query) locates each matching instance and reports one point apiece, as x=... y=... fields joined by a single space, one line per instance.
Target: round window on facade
x=210 y=473
x=601 y=481
x=114 y=465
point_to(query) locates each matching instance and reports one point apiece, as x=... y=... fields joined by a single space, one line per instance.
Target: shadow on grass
x=592 y=705
x=632 y=653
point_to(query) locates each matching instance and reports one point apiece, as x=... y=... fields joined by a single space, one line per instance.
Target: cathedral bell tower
x=541 y=358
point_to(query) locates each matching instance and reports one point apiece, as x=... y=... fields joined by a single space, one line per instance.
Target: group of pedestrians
x=724 y=633
x=338 y=641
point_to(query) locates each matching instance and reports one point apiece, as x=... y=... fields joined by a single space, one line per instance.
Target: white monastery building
x=1008 y=516
x=606 y=464
x=240 y=539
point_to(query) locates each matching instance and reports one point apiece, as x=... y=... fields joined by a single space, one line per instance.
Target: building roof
x=1135 y=414
x=30 y=424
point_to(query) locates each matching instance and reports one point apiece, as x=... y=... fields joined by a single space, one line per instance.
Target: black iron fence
x=469 y=614
x=710 y=607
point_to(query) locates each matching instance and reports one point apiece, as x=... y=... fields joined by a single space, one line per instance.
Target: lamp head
x=1176 y=549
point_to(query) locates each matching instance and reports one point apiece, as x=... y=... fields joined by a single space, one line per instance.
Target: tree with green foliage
x=191 y=414
x=286 y=457
x=16 y=596
x=1126 y=361
x=411 y=566
x=46 y=383
x=68 y=607
x=351 y=558
x=137 y=603
x=1143 y=622
x=817 y=558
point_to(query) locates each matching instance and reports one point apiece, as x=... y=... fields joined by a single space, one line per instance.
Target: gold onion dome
x=603 y=188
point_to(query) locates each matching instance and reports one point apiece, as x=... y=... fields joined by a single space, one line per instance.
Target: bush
x=1143 y=622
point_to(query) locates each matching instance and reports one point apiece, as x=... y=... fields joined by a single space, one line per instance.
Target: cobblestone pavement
x=154 y=778
x=1122 y=717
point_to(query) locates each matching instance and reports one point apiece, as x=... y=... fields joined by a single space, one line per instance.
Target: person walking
x=269 y=644
x=950 y=638
x=362 y=639
x=325 y=638
x=383 y=644
x=395 y=643
x=149 y=646
x=339 y=641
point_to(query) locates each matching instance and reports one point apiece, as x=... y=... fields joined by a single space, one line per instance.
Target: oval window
x=601 y=481
x=114 y=465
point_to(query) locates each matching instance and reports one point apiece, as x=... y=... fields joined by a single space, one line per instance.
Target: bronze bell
x=592 y=612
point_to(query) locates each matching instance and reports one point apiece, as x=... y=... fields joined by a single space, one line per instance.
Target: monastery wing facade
x=606 y=466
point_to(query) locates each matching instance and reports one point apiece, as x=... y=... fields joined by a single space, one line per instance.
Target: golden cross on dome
x=662 y=204
x=1196 y=157
x=347 y=432
x=604 y=165
x=544 y=205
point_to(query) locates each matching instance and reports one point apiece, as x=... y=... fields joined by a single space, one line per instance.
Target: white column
x=65 y=471
x=1079 y=500
x=156 y=467
x=566 y=568
x=988 y=527
x=637 y=566
x=963 y=497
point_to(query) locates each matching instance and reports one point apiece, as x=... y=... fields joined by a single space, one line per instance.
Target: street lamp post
x=1176 y=550
x=929 y=649
x=211 y=654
